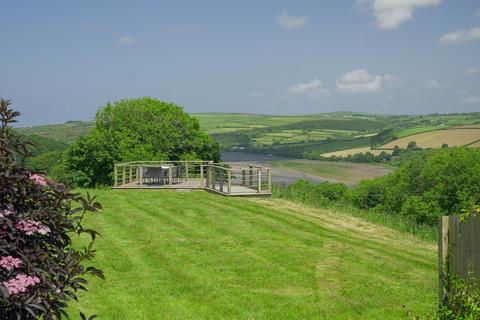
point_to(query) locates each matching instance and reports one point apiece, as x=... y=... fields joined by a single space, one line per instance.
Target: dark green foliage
x=440 y=182
x=45 y=153
x=462 y=300
x=431 y=184
x=412 y=145
x=132 y=130
x=383 y=137
x=38 y=218
x=309 y=193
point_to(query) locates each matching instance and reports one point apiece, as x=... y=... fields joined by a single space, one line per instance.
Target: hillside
x=197 y=255
x=66 y=132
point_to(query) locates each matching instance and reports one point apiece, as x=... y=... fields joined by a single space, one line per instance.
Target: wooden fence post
x=115 y=173
x=443 y=234
x=243 y=177
x=201 y=176
x=123 y=175
x=186 y=170
x=259 y=183
x=131 y=175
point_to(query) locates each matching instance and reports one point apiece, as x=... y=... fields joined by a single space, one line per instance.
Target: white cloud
x=313 y=89
x=431 y=84
x=358 y=81
x=389 y=14
x=472 y=71
x=291 y=22
x=125 y=40
x=471 y=99
x=460 y=36
x=256 y=94
x=391 y=81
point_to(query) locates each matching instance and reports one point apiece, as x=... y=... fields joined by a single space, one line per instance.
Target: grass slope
x=169 y=255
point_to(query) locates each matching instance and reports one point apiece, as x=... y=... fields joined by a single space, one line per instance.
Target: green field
x=172 y=255
x=298 y=136
x=343 y=172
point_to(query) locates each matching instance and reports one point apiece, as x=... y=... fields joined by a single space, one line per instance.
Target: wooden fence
x=458 y=248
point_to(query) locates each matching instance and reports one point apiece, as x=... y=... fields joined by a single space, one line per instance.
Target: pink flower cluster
x=7 y=211
x=30 y=227
x=9 y=262
x=20 y=283
x=38 y=179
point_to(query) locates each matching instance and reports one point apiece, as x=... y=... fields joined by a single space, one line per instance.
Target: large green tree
x=135 y=129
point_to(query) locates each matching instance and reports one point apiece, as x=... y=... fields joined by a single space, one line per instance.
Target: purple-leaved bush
x=40 y=270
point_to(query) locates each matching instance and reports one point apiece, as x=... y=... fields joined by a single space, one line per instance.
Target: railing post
x=115 y=173
x=186 y=170
x=269 y=175
x=250 y=177
x=170 y=175
x=229 y=181
x=259 y=183
x=201 y=176
x=131 y=175
x=123 y=175
x=243 y=177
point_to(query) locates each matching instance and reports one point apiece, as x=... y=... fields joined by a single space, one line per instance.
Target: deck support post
x=229 y=181
x=259 y=183
x=123 y=175
x=115 y=173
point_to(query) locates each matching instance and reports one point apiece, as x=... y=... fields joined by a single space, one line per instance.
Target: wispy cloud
x=256 y=94
x=471 y=100
x=389 y=14
x=291 y=22
x=126 y=40
x=359 y=81
x=431 y=84
x=313 y=89
x=472 y=71
x=460 y=36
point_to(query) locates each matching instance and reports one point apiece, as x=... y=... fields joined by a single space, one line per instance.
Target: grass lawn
x=178 y=255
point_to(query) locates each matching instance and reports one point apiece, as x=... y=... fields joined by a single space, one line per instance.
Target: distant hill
x=66 y=132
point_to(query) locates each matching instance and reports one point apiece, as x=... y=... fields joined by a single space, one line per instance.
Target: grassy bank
x=200 y=256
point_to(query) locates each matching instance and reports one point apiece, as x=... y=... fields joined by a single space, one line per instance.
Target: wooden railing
x=225 y=178
x=130 y=172
x=218 y=177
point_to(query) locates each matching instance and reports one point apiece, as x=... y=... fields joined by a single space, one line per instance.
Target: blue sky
x=62 y=60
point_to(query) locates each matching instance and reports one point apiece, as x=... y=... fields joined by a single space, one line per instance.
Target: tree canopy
x=135 y=129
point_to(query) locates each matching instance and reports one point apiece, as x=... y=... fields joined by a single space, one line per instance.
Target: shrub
x=40 y=270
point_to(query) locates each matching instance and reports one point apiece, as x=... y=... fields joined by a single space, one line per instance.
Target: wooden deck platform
x=224 y=179
x=197 y=184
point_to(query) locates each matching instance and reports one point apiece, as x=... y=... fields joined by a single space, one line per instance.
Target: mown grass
x=169 y=255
